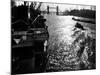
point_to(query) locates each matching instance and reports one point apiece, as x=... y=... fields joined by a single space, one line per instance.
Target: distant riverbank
x=81 y=13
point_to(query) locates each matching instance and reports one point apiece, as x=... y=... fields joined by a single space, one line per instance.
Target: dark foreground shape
x=27 y=60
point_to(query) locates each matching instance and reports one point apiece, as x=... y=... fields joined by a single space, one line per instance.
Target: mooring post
x=57 y=13
x=47 y=9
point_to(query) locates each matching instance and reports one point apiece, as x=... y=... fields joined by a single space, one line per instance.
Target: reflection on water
x=70 y=49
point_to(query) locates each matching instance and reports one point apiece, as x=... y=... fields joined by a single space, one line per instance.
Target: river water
x=70 y=49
